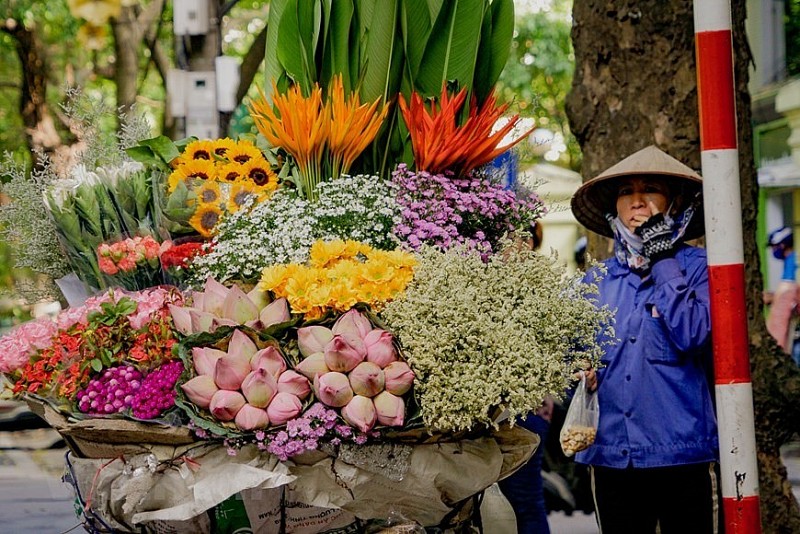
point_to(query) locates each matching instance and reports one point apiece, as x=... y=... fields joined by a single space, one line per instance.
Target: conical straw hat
x=598 y=196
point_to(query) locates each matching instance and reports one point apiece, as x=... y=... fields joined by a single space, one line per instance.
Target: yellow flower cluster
x=340 y=274
x=224 y=174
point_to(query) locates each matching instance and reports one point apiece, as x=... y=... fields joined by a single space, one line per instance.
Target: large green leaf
x=383 y=54
x=500 y=41
x=337 y=43
x=298 y=31
x=452 y=49
x=416 y=25
x=272 y=66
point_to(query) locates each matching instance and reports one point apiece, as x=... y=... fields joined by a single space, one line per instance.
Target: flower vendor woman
x=654 y=458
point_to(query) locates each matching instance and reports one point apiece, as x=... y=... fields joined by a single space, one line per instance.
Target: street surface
x=34 y=500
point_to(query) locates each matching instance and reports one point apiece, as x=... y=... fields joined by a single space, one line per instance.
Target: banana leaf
x=299 y=32
x=338 y=21
x=496 y=35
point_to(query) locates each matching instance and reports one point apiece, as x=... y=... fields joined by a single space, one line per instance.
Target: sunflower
x=206 y=218
x=231 y=172
x=221 y=147
x=208 y=192
x=258 y=171
x=202 y=149
x=240 y=193
x=192 y=170
x=243 y=152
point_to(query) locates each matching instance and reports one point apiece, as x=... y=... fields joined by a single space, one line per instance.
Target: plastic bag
x=580 y=423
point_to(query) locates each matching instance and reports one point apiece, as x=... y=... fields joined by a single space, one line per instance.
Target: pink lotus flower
x=205 y=359
x=333 y=389
x=213 y=297
x=312 y=366
x=201 y=321
x=352 y=324
x=269 y=359
x=294 y=383
x=366 y=379
x=390 y=409
x=380 y=347
x=251 y=418
x=230 y=371
x=343 y=354
x=200 y=390
x=313 y=339
x=259 y=387
x=241 y=345
x=181 y=318
x=360 y=413
x=225 y=404
x=275 y=312
x=283 y=407
x=398 y=378
x=237 y=307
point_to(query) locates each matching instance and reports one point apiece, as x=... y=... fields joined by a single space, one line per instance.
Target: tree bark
x=635 y=85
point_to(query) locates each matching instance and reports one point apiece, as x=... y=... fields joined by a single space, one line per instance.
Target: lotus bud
x=276 y=312
x=197 y=300
x=366 y=379
x=312 y=339
x=295 y=383
x=380 y=348
x=216 y=322
x=205 y=359
x=213 y=298
x=259 y=387
x=226 y=404
x=241 y=345
x=312 y=366
x=230 y=371
x=352 y=324
x=333 y=389
x=201 y=321
x=343 y=354
x=251 y=418
x=258 y=297
x=237 y=307
x=181 y=319
x=283 y=407
x=398 y=378
x=390 y=408
x=360 y=413
x=269 y=359
x=200 y=390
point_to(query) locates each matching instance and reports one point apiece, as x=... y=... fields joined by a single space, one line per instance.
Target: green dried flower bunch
x=483 y=337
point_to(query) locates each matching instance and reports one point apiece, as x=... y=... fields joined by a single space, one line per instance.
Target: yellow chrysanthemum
x=243 y=152
x=192 y=170
x=324 y=253
x=344 y=296
x=202 y=149
x=377 y=271
x=208 y=193
x=258 y=171
x=205 y=218
x=221 y=147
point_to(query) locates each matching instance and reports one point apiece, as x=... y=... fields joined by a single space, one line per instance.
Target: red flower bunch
x=179 y=256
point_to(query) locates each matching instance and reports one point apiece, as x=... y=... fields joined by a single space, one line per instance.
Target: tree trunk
x=635 y=85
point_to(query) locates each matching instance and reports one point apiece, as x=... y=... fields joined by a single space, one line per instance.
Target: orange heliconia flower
x=439 y=144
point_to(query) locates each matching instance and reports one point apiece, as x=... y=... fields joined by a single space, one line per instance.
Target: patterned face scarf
x=628 y=246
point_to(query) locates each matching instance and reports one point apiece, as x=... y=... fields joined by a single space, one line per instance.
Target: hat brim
x=598 y=196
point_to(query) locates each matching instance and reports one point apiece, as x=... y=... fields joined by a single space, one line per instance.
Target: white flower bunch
x=283 y=228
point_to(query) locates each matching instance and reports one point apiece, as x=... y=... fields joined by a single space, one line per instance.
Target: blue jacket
x=654 y=384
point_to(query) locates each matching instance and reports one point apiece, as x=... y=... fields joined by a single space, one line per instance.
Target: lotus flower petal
x=259 y=387
x=333 y=389
x=313 y=339
x=241 y=345
x=360 y=413
x=226 y=404
x=283 y=407
x=380 y=347
x=390 y=408
x=276 y=312
x=258 y=297
x=398 y=378
x=205 y=359
x=221 y=321
x=366 y=379
x=295 y=383
x=269 y=359
x=352 y=324
x=312 y=366
x=182 y=319
x=343 y=354
x=201 y=321
x=251 y=418
x=238 y=307
x=213 y=298
x=197 y=300
x=230 y=371
x=200 y=390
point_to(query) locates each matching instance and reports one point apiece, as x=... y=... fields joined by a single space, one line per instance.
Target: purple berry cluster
x=112 y=392
x=444 y=211
x=157 y=392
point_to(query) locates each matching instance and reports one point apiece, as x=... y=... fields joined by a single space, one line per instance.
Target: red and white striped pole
x=721 y=194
